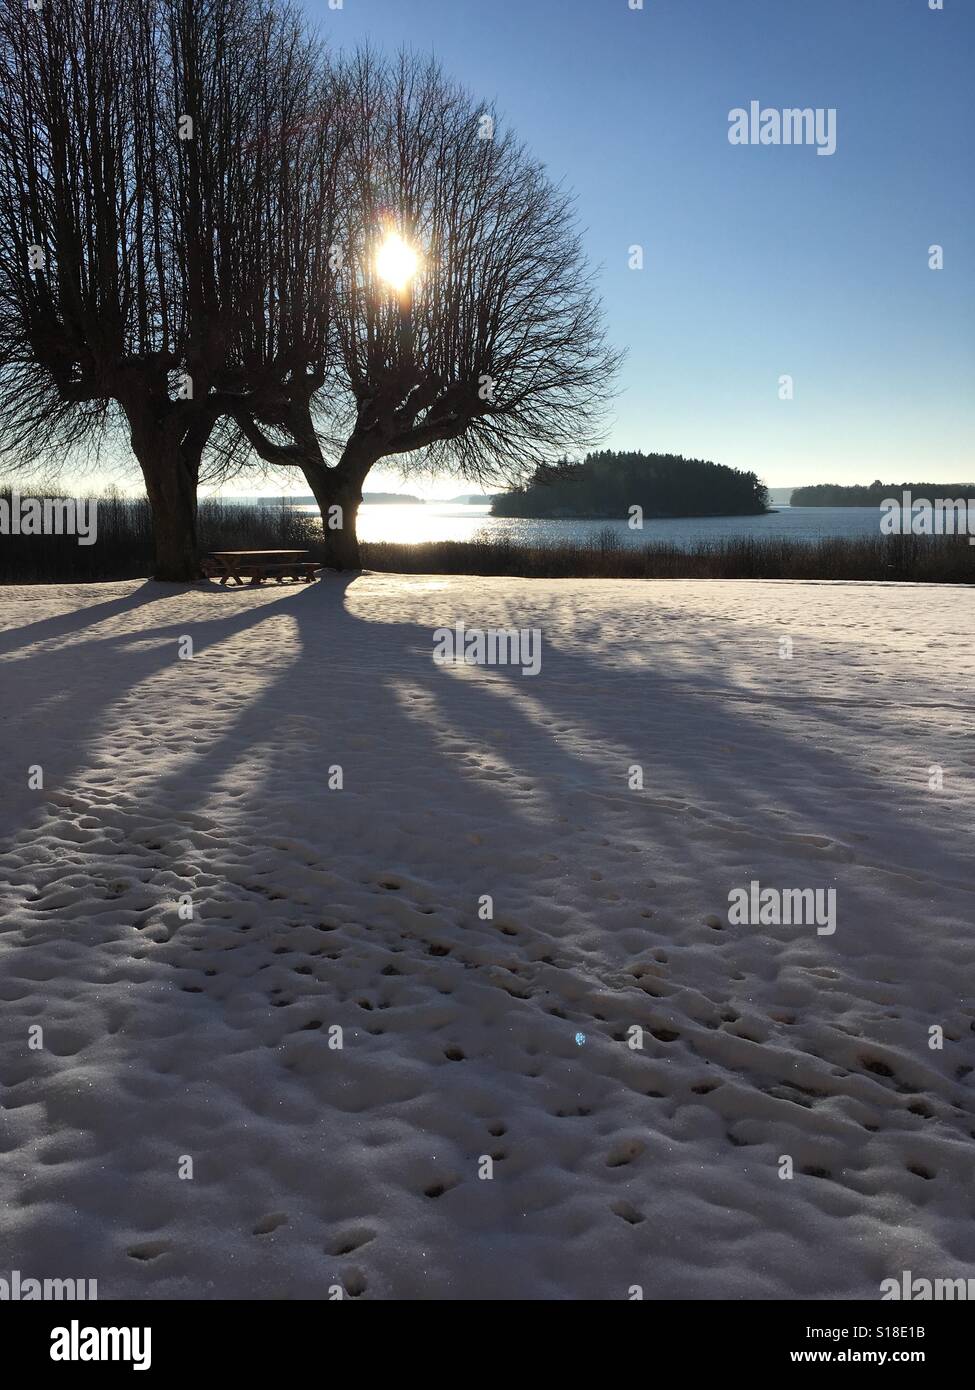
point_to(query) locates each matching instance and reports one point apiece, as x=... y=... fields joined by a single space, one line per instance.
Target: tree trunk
x=338 y=501
x=172 y=498
x=171 y=473
x=338 y=492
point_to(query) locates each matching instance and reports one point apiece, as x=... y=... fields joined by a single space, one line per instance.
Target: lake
x=453 y=521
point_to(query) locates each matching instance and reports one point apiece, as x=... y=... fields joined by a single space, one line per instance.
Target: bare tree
x=284 y=289
x=494 y=358
x=142 y=160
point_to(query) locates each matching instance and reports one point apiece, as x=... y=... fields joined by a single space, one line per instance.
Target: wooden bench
x=258 y=565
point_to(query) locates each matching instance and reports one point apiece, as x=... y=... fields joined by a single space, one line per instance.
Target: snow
x=316 y=1167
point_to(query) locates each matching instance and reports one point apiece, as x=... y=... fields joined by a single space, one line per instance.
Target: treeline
x=837 y=495
x=607 y=484
x=124 y=551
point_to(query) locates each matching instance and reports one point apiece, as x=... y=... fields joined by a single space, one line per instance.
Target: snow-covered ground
x=316 y=1166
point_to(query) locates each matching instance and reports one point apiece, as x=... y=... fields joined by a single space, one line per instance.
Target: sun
x=396 y=262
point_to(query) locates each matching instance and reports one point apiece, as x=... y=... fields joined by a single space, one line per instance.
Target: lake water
x=453 y=521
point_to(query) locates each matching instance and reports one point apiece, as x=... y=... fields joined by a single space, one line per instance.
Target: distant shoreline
x=556 y=515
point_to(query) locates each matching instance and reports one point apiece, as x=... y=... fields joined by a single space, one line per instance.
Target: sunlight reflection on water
x=412 y=523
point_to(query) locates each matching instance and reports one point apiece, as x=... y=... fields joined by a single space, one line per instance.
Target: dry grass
x=921 y=559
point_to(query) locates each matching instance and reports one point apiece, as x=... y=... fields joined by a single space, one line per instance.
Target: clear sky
x=759 y=261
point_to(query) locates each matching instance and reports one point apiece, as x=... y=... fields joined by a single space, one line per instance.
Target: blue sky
x=759 y=261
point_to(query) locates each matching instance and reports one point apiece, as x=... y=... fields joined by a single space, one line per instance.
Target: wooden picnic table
x=258 y=565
